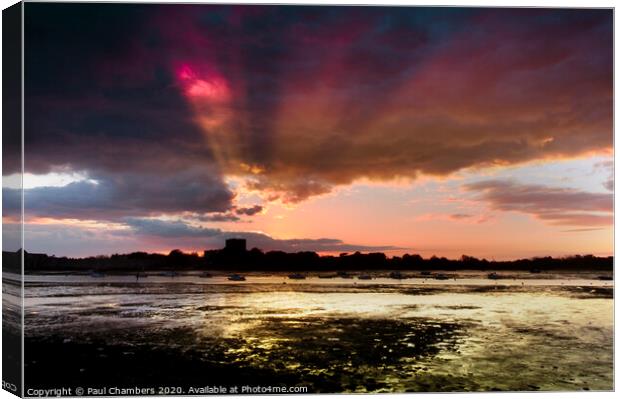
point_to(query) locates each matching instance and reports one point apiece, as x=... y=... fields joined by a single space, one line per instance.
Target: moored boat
x=493 y=276
x=396 y=275
x=535 y=271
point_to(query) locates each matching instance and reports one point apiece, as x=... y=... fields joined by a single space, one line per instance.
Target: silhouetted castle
x=236 y=245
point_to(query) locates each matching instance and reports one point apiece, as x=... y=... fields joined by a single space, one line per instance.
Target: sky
x=438 y=131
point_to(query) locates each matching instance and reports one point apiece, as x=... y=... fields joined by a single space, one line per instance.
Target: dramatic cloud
x=382 y=100
x=300 y=99
x=558 y=206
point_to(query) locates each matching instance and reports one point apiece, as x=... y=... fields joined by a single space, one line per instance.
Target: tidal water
x=522 y=333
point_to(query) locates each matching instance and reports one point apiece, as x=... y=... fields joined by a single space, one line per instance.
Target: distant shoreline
x=225 y=260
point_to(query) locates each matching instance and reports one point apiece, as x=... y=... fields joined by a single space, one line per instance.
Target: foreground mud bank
x=323 y=338
x=324 y=355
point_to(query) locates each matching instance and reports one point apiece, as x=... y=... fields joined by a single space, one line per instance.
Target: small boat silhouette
x=236 y=277
x=170 y=274
x=205 y=275
x=364 y=277
x=605 y=278
x=296 y=276
x=493 y=276
x=397 y=275
x=97 y=274
x=441 y=276
x=535 y=271
x=328 y=275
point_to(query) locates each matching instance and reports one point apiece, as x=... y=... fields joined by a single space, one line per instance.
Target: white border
x=457 y=3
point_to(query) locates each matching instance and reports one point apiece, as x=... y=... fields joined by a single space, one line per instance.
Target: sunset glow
x=485 y=132
x=210 y=88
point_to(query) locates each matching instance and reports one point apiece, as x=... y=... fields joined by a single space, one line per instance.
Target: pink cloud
x=554 y=205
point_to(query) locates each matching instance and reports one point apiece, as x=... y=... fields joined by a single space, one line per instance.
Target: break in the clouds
x=162 y=105
x=558 y=206
x=607 y=166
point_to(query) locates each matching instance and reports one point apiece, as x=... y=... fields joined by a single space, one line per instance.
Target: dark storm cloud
x=203 y=236
x=375 y=96
x=309 y=97
x=100 y=93
x=558 y=206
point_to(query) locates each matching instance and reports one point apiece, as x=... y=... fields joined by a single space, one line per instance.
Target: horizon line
x=342 y=254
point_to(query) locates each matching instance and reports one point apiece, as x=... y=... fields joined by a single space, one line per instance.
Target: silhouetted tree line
x=255 y=259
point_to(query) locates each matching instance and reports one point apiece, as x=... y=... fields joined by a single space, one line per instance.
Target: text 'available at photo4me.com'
x=164 y=390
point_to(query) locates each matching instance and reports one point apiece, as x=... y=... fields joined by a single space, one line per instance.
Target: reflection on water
x=332 y=336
